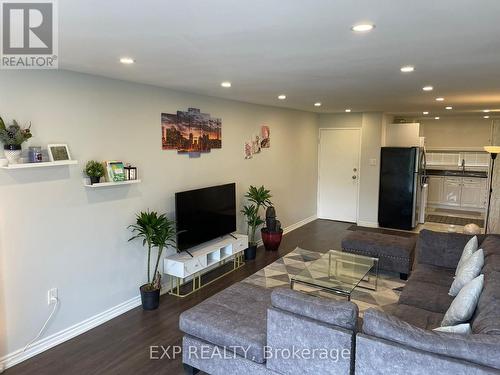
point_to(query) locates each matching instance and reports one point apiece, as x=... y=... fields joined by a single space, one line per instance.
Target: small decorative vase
x=250 y=252
x=94 y=180
x=12 y=153
x=150 y=298
x=271 y=240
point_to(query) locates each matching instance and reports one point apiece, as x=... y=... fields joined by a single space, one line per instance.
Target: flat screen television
x=205 y=214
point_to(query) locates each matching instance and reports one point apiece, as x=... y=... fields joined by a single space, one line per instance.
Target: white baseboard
x=369 y=224
x=57 y=338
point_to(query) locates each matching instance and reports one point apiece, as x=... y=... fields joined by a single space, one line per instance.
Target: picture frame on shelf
x=58 y=152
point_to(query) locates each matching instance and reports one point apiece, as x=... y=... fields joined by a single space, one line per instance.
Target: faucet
x=463 y=165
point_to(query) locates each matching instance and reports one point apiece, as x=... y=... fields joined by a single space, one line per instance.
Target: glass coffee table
x=340 y=273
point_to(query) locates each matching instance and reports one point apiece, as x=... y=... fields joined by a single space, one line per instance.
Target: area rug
x=277 y=274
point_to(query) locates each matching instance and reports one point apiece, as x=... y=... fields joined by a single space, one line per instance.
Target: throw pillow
x=461 y=329
x=464 y=304
x=469 y=270
x=470 y=247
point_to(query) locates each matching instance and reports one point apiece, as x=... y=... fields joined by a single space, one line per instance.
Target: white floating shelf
x=108 y=184
x=39 y=165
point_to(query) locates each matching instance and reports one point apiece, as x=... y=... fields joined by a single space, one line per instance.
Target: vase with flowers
x=12 y=137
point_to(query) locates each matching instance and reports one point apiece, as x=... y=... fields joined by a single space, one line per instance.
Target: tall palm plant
x=259 y=197
x=155 y=231
x=164 y=236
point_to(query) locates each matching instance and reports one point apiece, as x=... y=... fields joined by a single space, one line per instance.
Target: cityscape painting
x=190 y=132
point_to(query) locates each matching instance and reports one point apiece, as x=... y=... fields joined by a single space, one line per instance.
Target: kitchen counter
x=456 y=173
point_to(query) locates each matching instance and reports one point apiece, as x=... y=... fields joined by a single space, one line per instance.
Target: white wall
x=371 y=125
x=456 y=133
x=56 y=233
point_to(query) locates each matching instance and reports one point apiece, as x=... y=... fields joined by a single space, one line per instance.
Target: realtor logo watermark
x=29 y=34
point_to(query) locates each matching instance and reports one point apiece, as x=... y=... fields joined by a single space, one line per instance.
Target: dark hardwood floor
x=122 y=345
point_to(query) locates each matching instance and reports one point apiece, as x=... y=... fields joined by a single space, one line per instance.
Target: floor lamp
x=493 y=151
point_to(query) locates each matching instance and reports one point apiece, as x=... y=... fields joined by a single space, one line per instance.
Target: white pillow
x=464 y=304
x=462 y=329
x=469 y=270
x=470 y=247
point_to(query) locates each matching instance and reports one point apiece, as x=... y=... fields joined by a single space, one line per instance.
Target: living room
x=296 y=101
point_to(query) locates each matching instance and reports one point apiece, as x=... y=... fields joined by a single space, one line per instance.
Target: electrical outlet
x=52 y=296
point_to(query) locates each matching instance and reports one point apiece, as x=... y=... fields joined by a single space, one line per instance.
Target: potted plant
x=12 y=137
x=272 y=233
x=95 y=171
x=155 y=231
x=258 y=198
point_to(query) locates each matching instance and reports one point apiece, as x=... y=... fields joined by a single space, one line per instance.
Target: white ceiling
x=304 y=49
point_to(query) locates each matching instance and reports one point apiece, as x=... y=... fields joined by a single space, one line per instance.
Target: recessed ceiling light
x=226 y=84
x=486 y=116
x=439 y=99
x=486 y=110
x=317 y=104
x=427 y=88
x=449 y=107
x=127 y=60
x=408 y=69
x=363 y=27
x=425 y=112
x=348 y=110
x=436 y=118
x=282 y=97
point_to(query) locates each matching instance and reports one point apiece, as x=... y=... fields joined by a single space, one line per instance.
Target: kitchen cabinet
x=473 y=193
x=435 y=190
x=458 y=192
x=452 y=191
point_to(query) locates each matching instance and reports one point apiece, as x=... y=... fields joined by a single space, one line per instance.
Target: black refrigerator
x=402 y=172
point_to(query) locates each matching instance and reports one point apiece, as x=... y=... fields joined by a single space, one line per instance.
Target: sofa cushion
x=463 y=306
x=339 y=313
x=491 y=245
x=480 y=349
x=441 y=249
x=469 y=249
x=469 y=270
x=492 y=264
x=463 y=329
x=418 y=317
x=487 y=316
x=235 y=317
x=427 y=296
x=395 y=253
x=432 y=275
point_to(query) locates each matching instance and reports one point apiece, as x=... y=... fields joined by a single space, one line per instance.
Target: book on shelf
x=115 y=171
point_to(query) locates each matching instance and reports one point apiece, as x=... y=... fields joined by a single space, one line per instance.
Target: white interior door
x=338 y=185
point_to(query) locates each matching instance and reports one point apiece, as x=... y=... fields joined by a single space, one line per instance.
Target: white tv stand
x=205 y=256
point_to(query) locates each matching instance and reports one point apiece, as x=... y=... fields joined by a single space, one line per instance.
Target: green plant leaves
x=155 y=231
x=94 y=169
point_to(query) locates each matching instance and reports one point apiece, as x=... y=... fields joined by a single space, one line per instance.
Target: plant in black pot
x=272 y=233
x=258 y=198
x=95 y=171
x=12 y=137
x=156 y=231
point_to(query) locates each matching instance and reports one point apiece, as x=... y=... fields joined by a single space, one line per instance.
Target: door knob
x=354 y=177
x=354 y=169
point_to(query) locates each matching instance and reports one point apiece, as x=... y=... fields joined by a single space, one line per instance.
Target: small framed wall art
x=115 y=171
x=58 y=152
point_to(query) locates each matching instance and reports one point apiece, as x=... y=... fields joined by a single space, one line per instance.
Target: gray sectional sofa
x=405 y=342
x=258 y=330
x=255 y=326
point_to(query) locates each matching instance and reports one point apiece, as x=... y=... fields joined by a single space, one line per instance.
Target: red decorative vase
x=272 y=240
